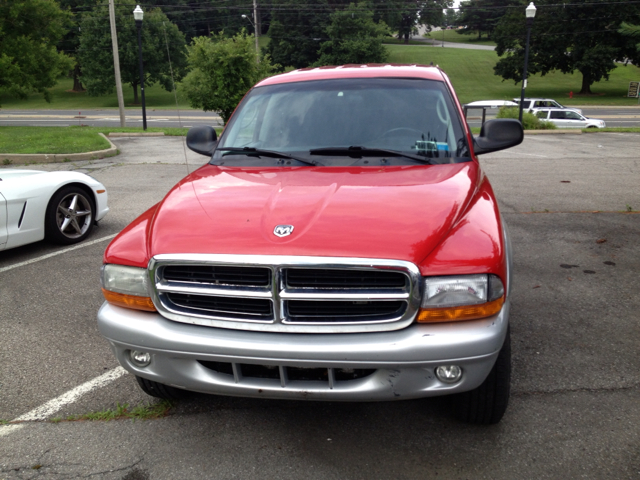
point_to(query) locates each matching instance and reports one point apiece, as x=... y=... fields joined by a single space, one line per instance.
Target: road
x=613 y=116
x=108 y=118
x=574 y=411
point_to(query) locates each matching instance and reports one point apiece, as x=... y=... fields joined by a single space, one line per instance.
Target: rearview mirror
x=498 y=134
x=202 y=139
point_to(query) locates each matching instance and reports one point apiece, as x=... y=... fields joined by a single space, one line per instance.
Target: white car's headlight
x=464 y=297
x=126 y=286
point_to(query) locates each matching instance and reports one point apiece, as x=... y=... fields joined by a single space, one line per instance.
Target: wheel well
x=82 y=186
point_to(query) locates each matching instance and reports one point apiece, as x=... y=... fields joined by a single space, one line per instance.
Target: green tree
x=158 y=35
x=404 y=17
x=582 y=36
x=354 y=38
x=482 y=16
x=296 y=31
x=71 y=41
x=29 y=60
x=632 y=31
x=222 y=71
x=451 y=18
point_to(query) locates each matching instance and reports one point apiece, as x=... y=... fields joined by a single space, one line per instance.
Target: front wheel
x=486 y=404
x=70 y=216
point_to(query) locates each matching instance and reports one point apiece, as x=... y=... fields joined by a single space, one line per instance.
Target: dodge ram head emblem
x=283 y=230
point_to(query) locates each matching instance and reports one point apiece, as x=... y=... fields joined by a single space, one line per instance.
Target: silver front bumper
x=404 y=360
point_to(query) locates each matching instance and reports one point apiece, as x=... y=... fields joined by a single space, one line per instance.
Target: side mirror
x=498 y=134
x=202 y=139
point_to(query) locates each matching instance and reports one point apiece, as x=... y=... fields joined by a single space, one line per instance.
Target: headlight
x=126 y=287
x=467 y=297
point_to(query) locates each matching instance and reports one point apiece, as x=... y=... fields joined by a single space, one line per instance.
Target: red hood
x=390 y=212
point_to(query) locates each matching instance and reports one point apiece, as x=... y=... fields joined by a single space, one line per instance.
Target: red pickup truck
x=342 y=243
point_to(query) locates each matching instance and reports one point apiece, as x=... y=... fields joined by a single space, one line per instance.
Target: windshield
x=346 y=122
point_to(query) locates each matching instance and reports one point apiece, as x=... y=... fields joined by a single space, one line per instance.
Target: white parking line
x=52 y=406
x=59 y=252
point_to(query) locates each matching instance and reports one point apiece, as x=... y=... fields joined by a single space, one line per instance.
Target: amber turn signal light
x=129 y=301
x=455 y=314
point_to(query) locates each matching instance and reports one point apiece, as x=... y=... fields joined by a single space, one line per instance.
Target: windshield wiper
x=355 y=150
x=267 y=153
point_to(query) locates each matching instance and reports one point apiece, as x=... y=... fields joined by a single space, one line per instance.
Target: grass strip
x=64 y=98
x=50 y=140
x=143 y=411
x=62 y=140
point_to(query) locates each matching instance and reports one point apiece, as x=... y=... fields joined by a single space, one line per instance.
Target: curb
x=136 y=134
x=559 y=131
x=22 y=158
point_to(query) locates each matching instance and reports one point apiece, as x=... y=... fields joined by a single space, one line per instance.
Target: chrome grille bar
x=386 y=299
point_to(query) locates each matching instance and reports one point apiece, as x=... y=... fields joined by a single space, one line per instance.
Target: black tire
x=160 y=390
x=486 y=404
x=70 y=216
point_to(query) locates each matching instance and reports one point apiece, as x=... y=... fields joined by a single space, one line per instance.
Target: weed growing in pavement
x=7 y=161
x=139 y=412
x=629 y=208
x=4 y=422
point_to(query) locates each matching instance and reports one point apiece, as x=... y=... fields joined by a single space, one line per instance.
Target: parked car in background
x=564 y=118
x=489 y=107
x=531 y=103
x=342 y=244
x=59 y=206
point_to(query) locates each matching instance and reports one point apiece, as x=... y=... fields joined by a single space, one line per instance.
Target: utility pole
x=116 y=61
x=255 y=27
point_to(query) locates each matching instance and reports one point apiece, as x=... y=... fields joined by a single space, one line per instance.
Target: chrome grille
x=218 y=275
x=343 y=311
x=249 y=308
x=331 y=278
x=286 y=294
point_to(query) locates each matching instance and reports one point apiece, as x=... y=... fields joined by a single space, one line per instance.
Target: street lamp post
x=530 y=13
x=138 y=14
x=255 y=34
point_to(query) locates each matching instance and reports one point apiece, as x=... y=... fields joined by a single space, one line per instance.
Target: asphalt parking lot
x=571 y=204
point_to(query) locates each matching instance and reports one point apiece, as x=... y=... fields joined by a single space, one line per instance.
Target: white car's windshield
x=335 y=121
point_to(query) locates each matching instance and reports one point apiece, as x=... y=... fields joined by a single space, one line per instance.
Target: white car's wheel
x=70 y=216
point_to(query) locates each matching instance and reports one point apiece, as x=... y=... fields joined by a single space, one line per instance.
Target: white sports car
x=59 y=206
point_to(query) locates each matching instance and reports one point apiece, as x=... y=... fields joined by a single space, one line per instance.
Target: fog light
x=449 y=373
x=140 y=359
